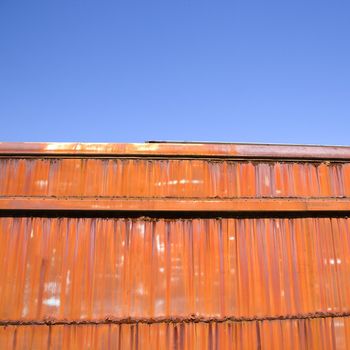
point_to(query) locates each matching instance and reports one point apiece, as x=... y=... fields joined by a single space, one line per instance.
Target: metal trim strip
x=233 y=150
x=171 y=205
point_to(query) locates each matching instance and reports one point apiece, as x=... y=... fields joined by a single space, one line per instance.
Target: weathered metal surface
x=247 y=280
x=172 y=178
x=88 y=269
x=180 y=149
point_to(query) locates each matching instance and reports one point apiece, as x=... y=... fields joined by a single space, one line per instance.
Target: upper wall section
x=172 y=178
x=173 y=170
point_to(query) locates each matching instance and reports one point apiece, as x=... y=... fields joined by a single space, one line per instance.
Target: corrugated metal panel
x=173 y=178
x=182 y=275
x=250 y=268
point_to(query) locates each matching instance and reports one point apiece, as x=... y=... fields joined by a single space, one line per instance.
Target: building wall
x=77 y=273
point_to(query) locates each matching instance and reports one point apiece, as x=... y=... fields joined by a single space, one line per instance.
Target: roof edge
x=175 y=149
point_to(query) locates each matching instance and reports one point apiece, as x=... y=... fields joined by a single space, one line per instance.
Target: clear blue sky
x=129 y=71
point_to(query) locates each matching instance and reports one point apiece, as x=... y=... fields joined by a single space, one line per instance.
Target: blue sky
x=129 y=71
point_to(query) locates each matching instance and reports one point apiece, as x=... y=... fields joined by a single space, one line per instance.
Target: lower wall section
x=142 y=283
x=88 y=269
x=322 y=333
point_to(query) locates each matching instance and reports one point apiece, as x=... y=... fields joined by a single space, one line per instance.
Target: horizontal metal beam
x=175 y=205
x=230 y=150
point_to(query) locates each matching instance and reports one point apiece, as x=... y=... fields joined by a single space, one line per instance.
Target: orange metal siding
x=172 y=178
x=239 y=268
x=164 y=268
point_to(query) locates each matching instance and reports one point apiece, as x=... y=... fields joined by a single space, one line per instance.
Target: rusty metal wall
x=241 y=268
x=192 y=279
x=199 y=178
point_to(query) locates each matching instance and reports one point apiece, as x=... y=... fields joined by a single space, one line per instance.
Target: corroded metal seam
x=172 y=320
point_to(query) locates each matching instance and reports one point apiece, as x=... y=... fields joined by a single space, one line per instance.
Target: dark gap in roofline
x=170 y=215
